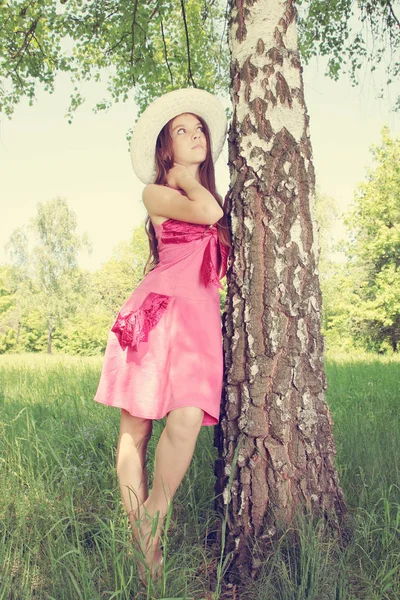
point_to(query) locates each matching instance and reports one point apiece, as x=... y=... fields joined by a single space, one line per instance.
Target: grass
x=63 y=530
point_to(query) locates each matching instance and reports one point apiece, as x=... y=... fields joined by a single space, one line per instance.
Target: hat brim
x=160 y=111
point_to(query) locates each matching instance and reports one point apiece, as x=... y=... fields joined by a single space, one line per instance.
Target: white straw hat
x=166 y=107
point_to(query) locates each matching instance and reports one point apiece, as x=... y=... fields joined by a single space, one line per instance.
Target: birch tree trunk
x=273 y=400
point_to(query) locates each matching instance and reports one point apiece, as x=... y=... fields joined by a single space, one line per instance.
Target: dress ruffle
x=181 y=232
x=134 y=327
x=214 y=265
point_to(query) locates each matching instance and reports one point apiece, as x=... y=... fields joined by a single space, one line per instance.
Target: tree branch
x=28 y=34
x=118 y=43
x=133 y=38
x=206 y=7
x=51 y=59
x=190 y=76
x=133 y=30
x=392 y=12
x=155 y=11
x=165 y=51
x=223 y=32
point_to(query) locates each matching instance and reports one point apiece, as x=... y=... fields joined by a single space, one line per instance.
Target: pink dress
x=164 y=350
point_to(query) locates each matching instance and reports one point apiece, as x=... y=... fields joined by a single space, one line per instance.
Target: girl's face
x=188 y=140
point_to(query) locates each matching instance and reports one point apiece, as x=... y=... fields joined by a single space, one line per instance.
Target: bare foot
x=147 y=540
x=157 y=562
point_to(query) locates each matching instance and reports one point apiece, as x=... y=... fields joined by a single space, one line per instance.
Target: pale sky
x=88 y=163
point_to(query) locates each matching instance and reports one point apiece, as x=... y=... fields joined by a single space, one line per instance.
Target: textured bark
x=273 y=399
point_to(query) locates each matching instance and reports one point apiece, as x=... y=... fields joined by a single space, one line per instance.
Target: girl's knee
x=185 y=422
x=137 y=427
x=134 y=436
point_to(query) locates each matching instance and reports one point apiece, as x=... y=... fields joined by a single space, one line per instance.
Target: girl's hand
x=178 y=175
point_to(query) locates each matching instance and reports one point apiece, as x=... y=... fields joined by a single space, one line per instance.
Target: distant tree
x=20 y=281
x=47 y=277
x=7 y=310
x=116 y=279
x=85 y=332
x=7 y=294
x=338 y=281
x=340 y=327
x=327 y=214
x=374 y=248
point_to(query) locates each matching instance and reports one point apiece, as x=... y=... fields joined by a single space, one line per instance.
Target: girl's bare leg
x=131 y=459
x=173 y=455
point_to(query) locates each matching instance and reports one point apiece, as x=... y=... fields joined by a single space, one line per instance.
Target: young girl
x=164 y=351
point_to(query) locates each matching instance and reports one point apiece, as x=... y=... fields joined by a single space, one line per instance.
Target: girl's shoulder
x=162 y=201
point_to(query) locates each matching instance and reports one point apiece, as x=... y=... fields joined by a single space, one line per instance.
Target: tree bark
x=274 y=403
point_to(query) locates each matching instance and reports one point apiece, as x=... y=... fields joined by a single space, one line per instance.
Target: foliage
x=7 y=294
x=148 y=47
x=46 y=277
x=8 y=329
x=375 y=244
x=362 y=297
x=115 y=280
x=156 y=46
x=32 y=332
x=335 y=296
x=327 y=215
x=342 y=29
x=84 y=334
x=340 y=328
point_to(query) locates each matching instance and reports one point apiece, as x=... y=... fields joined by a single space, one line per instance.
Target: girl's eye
x=183 y=129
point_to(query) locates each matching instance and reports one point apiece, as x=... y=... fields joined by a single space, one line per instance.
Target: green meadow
x=63 y=530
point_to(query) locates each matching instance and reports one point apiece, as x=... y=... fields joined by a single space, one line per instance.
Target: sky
x=87 y=162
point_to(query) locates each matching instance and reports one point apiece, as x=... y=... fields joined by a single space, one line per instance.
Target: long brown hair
x=164 y=162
